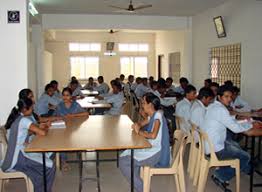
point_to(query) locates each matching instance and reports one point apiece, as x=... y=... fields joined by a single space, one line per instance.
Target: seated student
x=214 y=87
x=238 y=104
x=183 y=84
x=46 y=104
x=207 y=83
x=116 y=99
x=21 y=125
x=169 y=85
x=73 y=78
x=128 y=85
x=150 y=80
x=229 y=83
x=183 y=107
x=122 y=79
x=57 y=93
x=157 y=135
x=102 y=88
x=77 y=93
x=142 y=88
x=198 y=109
x=216 y=122
x=91 y=84
x=134 y=85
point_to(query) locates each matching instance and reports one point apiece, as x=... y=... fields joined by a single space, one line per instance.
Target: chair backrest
x=134 y=100
x=3 y=141
x=205 y=141
x=178 y=149
x=195 y=135
x=182 y=124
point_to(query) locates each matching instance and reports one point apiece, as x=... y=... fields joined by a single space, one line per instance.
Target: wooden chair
x=212 y=161
x=11 y=175
x=135 y=107
x=176 y=169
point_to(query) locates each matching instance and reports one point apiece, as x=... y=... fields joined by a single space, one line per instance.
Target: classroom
x=130 y=95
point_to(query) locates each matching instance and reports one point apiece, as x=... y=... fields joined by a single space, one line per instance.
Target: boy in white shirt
x=183 y=107
x=169 y=85
x=238 y=104
x=217 y=121
x=102 y=88
x=142 y=88
x=77 y=93
x=183 y=84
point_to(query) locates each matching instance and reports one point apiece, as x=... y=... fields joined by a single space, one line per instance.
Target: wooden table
x=248 y=114
x=87 y=103
x=93 y=134
x=89 y=92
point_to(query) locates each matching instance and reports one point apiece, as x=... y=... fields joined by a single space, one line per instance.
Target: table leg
x=132 y=170
x=80 y=170
x=252 y=163
x=117 y=158
x=97 y=171
x=44 y=172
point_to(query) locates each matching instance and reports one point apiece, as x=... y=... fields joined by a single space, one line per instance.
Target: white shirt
x=180 y=90
x=127 y=88
x=166 y=101
x=216 y=122
x=41 y=107
x=133 y=86
x=141 y=89
x=239 y=102
x=116 y=100
x=197 y=113
x=78 y=92
x=102 y=88
x=172 y=88
x=183 y=110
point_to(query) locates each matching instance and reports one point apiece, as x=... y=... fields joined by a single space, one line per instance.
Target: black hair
x=113 y=82
x=130 y=76
x=209 y=81
x=235 y=89
x=15 y=113
x=169 y=79
x=73 y=77
x=151 y=98
x=154 y=83
x=48 y=86
x=68 y=89
x=74 y=82
x=122 y=75
x=183 y=80
x=90 y=78
x=161 y=82
x=214 y=84
x=24 y=93
x=205 y=92
x=144 y=79
x=189 y=89
x=101 y=78
x=53 y=82
x=229 y=83
x=151 y=78
x=222 y=89
x=117 y=84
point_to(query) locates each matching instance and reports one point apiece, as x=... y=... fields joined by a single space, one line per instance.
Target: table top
x=87 y=103
x=254 y=133
x=98 y=132
x=249 y=114
x=89 y=92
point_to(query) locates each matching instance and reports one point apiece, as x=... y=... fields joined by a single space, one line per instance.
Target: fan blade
x=143 y=7
x=116 y=7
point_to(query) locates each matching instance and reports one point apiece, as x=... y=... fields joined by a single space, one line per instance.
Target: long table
x=89 y=92
x=89 y=103
x=94 y=134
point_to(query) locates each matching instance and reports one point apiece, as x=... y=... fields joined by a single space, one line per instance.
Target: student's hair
x=214 y=84
x=117 y=84
x=209 y=81
x=222 y=89
x=144 y=79
x=151 y=98
x=169 y=79
x=101 y=78
x=161 y=82
x=24 y=93
x=15 y=113
x=53 y=82
x=154 y=83
x=113 y=82
x=122 y=75
x=67 y=89
x=130 y=76
x=183 y=80
x=205 y=92
x=229 y=83
x=235 y=89
x=151 y=78
x=48 y=86
x=91 y=78
x=74 y=82
x=189 y=89
x=73 y=78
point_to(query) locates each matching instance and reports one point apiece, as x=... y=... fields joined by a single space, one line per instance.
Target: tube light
x=32 y=9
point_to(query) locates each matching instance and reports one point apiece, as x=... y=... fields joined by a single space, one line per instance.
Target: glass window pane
x=95 y=47
x=84 y=47
x=140 y=66
x=133 y=47
x=143 y=47
x=123 y=47
x=126 y=66
x=73 y=47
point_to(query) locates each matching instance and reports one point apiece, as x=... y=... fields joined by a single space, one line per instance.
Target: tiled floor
x=113 y=181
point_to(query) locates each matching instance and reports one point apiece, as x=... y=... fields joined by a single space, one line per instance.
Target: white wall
x=47 y=67
x=175 y=41
x=32 y=79
x=109 y=66
x=243 y=25
x=13 y=54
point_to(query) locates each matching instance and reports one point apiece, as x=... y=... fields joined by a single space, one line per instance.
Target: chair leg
x=203 y=176
x=1 y=184
x=29 y=185
x=57 y=161
x=189 y=164
x=197 y=168
x=237 y=177
x=146 y=179
x=193 y=161
x=142 y=173
x=177 y=183
x=181 y=176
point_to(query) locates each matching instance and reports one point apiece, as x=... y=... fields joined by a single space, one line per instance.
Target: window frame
x=82 y=43
x=134 y=64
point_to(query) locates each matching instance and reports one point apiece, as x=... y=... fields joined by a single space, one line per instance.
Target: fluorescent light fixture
x=32 y=9
x=110 y=54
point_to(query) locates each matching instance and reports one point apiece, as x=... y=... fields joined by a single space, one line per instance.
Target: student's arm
x=153 y=134
x=137 y=126
x=36 y=130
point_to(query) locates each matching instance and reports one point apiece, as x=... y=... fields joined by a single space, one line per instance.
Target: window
x=136 y=66
x=84 y=47
x=225 y=64
x=84 y=67
x=133 y=47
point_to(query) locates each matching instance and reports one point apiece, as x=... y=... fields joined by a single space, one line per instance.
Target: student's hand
x=136 y=127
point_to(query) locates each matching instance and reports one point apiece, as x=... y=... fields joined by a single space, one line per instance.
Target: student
x=183 y=84
x=116 y=99
x=217 y=121
x=198 y=109
x=169 y=85
x=102 y=88
x=77 y=93
x=73 y=78
x=122 y=79
x=91 y=85
x=207 y=83
x=238 y=104
x=21 y=125
x=134 y=85
x=157 y=135
x=128 y=85
x=183 y=107
x=229 y=83
x=214 y=87
x=150 y=80
x=57 y=94
x=46 y=104
x=142 y=88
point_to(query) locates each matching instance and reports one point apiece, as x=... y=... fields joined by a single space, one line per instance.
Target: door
x=174 y=66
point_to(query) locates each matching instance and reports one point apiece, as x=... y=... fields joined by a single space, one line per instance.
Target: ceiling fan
x=131 y=8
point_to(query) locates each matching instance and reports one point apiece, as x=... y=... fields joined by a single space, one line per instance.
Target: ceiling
x=160 y=7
